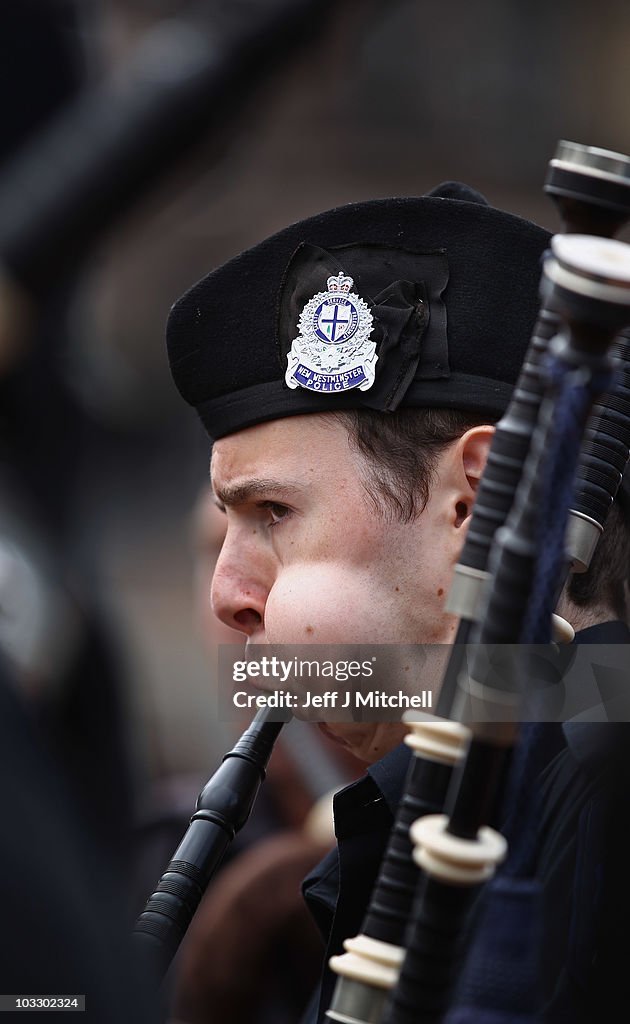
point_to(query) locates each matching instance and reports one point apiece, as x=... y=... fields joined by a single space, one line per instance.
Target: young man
x=349 y=370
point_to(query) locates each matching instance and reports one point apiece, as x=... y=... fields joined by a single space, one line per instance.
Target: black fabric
x=337 y=890
x=222 y=335
x=457 y=190
x=271 y=402
x=580 y=861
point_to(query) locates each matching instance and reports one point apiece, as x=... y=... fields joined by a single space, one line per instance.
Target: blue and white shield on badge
x=336 y=320
x=332 y=352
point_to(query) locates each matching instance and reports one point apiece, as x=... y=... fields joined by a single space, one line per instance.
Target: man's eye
x=276 y=512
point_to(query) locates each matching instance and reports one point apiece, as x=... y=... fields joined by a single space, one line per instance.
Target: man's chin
x=366 y=741
x=330 y=734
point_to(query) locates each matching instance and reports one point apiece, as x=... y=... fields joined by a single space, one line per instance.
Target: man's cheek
x=313 y=606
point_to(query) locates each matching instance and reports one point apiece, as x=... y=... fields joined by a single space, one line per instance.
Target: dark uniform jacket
x=579 y=864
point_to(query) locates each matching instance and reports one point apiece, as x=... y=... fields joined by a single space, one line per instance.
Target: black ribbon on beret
x=403 y=291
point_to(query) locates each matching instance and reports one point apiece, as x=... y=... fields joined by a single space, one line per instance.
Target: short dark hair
x=606 y=581
x=401 y=451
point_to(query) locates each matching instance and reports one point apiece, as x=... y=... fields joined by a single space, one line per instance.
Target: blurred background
x=109 y=539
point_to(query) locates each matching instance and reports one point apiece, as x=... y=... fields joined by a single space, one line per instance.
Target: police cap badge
x=333 y=351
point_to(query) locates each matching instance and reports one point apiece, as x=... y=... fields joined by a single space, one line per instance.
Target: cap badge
x=332 y=351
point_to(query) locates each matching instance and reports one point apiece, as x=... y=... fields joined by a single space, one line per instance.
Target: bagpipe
x=554 y=469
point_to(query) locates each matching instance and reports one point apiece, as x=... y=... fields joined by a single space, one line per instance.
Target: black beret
x=448 y=284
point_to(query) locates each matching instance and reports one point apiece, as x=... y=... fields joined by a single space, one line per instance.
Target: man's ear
x=471 y=454
x=475 y=445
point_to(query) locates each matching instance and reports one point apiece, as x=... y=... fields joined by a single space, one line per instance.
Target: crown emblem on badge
x=340 y=283
x=332 y=352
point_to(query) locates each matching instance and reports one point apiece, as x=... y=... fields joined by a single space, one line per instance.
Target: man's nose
x=240 y=587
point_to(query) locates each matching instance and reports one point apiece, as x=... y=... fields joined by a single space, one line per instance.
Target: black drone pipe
x=591 y=189
x=604 y=457
x=593 y=316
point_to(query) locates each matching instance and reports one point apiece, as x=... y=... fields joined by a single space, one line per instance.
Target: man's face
x=309 y=559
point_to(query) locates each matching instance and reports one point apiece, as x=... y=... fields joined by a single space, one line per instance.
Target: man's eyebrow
x=245 y=490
